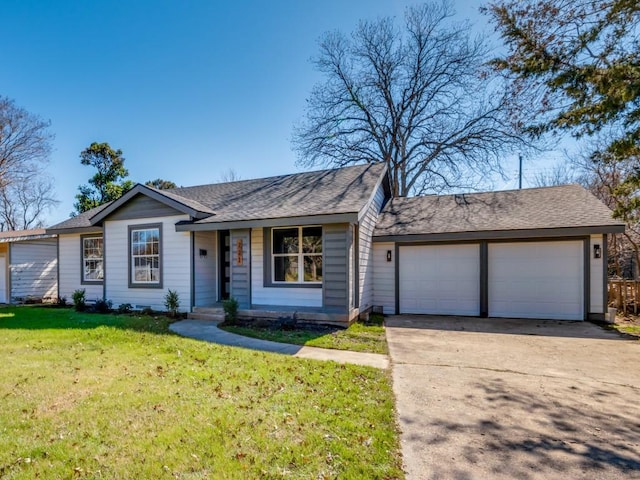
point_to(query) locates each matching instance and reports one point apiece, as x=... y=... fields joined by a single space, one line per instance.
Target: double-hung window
x=145 y=261
x=92 y=260
x=296 y=255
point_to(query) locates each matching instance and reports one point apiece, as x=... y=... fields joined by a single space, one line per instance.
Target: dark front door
x=224 y=241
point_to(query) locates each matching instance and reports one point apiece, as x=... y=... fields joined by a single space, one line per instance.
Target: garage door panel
x=440 y=279
x=536 y=280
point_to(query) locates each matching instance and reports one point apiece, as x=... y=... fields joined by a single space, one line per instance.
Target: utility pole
x=520 y=172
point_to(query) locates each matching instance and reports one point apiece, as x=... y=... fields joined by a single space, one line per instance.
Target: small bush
x=147 y=311
x=125 y=308
x=172 y=302
x=102 y=305
x=79 y=300
x=62 y=302
x=230 y=307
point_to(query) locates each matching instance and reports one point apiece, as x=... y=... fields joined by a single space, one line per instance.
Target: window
x=297 y=255
x=145 y=259
x=92 y=260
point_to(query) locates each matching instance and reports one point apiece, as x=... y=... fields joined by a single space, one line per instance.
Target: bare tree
x=25 y=146
x=419 y=99
x=24 y=202
x=230 y=175
x=561 y=173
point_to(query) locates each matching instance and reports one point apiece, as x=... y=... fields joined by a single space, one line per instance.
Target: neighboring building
x=28 y=266
x=330 y=245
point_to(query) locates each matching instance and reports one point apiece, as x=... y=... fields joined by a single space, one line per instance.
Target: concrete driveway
x=525 y=399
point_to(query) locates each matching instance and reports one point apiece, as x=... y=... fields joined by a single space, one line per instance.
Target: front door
x=224 y=240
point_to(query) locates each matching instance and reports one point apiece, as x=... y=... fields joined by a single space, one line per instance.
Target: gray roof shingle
x=81 y=220
x=335 y=191
x=535 y=208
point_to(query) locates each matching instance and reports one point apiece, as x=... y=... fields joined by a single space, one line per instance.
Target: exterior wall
x=596 y=274
x=367 y=225
x=175 y=264
x=205 y=271
x=277 y=296
x=336 y=244
x=33 y=270
x=69 y=268
x=241 y=273
x=4 y=273
x=383 y=277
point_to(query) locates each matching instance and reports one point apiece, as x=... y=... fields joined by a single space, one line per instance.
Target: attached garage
x=536 y=280
x=440 y=279
x=534 y=253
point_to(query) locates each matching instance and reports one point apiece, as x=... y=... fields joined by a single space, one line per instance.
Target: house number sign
x=239 y=251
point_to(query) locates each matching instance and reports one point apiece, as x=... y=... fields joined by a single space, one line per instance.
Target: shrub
x=147 y=311
x=230 y=307
x=125 y=308
x=172 y=302
x=79 y=300
x=102 y=305
x=62 y=302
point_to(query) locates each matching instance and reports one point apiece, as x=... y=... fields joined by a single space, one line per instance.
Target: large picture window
x=92 y=260
x=145 y=247
x=297 y=255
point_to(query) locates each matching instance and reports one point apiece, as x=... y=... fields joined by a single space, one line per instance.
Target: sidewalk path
x=208 y=330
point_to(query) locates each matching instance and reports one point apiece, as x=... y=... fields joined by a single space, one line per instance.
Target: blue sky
x=188 y=89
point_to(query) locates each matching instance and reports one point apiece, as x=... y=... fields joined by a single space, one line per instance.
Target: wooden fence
x=624 y=295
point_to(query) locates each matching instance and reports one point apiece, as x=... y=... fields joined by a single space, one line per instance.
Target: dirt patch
x=629 y=324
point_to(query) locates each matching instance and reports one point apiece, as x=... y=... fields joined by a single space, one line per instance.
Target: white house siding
x=597 y=276
x=383 y=279
x=294 y=297
x=205 y=270
x=33 y=270
x=175 y=264
x=367 y=225
x=69 y=258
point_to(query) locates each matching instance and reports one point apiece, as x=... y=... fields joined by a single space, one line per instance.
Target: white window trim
x=300 y=256
x=132 y=277
x=83 y=279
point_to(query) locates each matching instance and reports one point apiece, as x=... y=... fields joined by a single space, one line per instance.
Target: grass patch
x=117 y=396
x=359 y=337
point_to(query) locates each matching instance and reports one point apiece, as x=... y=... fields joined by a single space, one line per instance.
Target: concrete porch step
x=216 y=317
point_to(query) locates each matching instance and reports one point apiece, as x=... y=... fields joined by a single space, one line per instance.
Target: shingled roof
x=79 y=222
x=325 y=192
x=22 y=235
x=561 y=207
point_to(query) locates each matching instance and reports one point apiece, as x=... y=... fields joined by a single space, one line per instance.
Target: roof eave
x=66 y=231
x=351 y=217
x=500 y=234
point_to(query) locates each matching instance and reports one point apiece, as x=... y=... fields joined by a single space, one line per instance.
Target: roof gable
x=171 y=202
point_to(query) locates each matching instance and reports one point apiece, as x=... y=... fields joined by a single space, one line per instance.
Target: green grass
x=630 y=329
x=358 y=337
x=87 y=396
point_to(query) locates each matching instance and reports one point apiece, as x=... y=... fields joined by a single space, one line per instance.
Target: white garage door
x=536 y=280
x=442 y=279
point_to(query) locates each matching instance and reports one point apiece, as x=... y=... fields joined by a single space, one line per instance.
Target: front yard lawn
x=359 y=337
x=110 y=396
